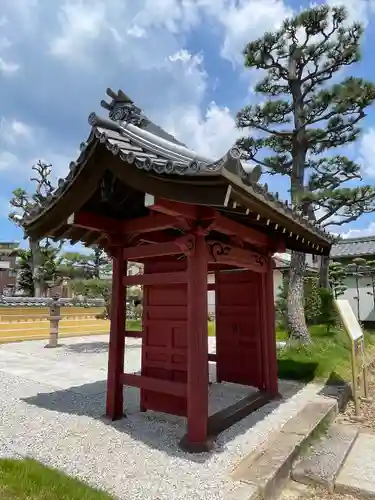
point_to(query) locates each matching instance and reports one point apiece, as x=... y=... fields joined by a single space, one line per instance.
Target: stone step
x=357 y=476
x=323 y=461
x=269 y=468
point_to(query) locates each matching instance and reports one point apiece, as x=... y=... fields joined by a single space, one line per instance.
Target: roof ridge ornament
x=122 y=109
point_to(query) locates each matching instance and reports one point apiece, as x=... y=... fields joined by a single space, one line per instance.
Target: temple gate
x=144 y=197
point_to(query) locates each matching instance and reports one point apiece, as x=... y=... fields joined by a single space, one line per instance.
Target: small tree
x=328 y=316
x=337 y=274
x=24 y=271
x=24 y=262
x=370 y=271
x=23 y=204
x=302 y=117
x=85 y=266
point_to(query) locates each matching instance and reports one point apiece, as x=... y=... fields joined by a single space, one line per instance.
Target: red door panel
x=164 y=345
x=238 y=328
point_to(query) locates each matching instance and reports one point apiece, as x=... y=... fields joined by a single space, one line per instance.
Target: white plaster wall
x=277 y=282
x=211 y=295
x=366 y=303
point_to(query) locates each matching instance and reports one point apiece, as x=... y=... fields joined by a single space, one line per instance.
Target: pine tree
x=23 y=203
x=305 y=112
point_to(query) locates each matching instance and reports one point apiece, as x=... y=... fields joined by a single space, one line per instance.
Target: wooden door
x=238 y=328
x=164 y=345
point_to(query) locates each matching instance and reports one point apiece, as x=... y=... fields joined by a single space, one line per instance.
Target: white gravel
x=52 y=405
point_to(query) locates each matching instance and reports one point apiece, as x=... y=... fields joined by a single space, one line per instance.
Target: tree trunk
x=37 y=267
x=296 y=299
x=323 y=272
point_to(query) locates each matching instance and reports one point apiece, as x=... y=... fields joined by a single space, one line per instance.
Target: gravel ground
x=51 y=408
x=296 y=491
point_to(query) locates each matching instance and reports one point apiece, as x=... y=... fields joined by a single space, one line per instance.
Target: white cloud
x=211 y=133
x=357 y=233
x=80 y=24
x=367 y=152
x=246 y=20
x=7 y=160
x=12 y=131
x=358 y=10
x=8 y=67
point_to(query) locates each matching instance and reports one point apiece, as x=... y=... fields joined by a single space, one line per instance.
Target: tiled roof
x=354 y=247
x=130 y=136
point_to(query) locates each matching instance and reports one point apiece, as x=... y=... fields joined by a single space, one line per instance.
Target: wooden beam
x=172 y=208
x=148 y=224
x=223 y=253
x=154 y=384
x=156 y=249
x=133 y=334
x=232 y=228
x=94 y=222
x=157 y=279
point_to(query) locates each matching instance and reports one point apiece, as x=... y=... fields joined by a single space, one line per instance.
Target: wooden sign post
x=355 y=334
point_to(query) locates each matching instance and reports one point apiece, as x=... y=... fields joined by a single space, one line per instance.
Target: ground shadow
x=93 y=347
x=87 y=347
x=157 y=430
x=338 y=388
x=303 y=371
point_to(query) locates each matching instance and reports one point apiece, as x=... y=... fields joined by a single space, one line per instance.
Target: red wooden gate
x=239 y=328
x=164 y=345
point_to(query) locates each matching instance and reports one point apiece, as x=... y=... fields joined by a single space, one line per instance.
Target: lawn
x=29 y=480
x=327 y=357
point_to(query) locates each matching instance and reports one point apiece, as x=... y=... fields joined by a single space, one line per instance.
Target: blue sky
x=180 y=60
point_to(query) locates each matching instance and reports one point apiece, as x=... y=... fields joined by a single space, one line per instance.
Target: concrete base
x=357 y=476
x=269 y=469
x=324 y=460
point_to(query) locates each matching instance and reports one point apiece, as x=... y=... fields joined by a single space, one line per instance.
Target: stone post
x=54 y=318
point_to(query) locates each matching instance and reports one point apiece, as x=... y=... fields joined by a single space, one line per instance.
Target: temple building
x=144 y=197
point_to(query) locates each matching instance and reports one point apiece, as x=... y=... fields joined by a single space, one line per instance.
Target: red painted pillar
x=197 y=375
x=114 y=407
x=217 y=326
x=272 y=382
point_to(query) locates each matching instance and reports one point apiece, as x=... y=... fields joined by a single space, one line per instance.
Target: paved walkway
x=357 y=475
x=52 y=405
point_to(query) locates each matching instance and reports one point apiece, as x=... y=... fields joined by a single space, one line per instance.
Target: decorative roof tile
x=354 y=247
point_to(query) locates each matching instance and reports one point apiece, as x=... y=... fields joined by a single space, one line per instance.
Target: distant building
x=8 y=275
x=345 y=251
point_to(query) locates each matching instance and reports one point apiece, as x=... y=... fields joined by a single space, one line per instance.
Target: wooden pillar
x=270 y=332
x=217 y=320
x=114 y=407
x=197 y=362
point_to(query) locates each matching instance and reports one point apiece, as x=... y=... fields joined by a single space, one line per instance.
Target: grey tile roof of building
x=354 y=247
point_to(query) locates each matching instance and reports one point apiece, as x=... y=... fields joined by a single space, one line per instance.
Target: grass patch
x=30 y=480
x=330 y=352
x=134 y=325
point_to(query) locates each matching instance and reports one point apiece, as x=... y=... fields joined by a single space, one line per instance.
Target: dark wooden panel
x=239 y=328
x=164 y=344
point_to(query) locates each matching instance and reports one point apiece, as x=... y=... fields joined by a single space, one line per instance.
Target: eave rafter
x=284 y=228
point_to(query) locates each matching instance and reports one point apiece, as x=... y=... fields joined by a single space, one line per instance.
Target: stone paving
x=52 y=405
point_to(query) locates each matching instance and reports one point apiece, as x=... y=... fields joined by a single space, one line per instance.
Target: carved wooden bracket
x=223 y=253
